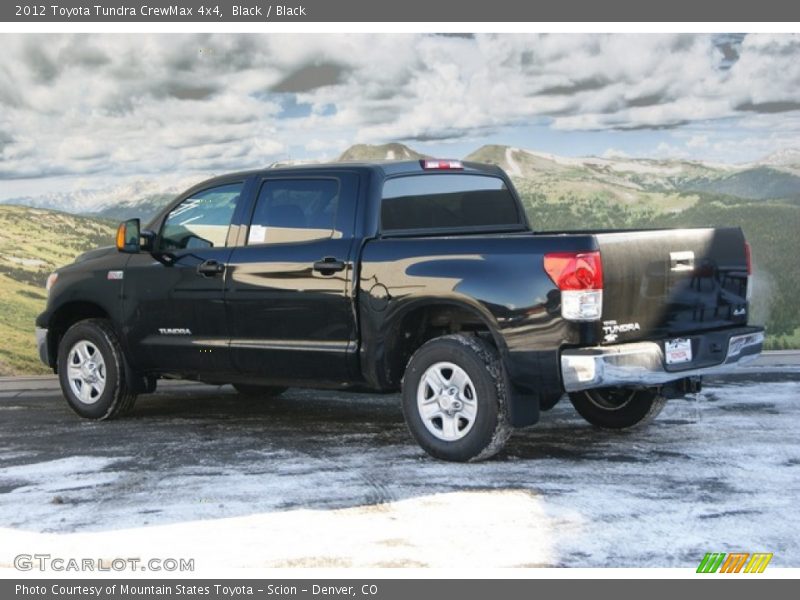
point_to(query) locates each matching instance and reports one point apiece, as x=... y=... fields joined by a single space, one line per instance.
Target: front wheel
x=618 y=408
x=91 y=371
x=454 y=398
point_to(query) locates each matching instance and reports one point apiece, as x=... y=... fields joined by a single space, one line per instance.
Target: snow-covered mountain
x=788 y=159
x=140 y=197
x=620 y=178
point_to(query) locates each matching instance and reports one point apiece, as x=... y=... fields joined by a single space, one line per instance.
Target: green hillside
x=33 y=242
x=759 y=183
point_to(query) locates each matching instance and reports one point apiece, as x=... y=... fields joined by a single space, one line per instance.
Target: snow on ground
x=327 y=479
x=441 y=530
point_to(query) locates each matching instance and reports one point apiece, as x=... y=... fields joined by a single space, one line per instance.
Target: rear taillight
x=579 y=276
x=430 y=164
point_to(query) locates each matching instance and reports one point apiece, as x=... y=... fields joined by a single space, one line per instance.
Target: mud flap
x=140 y=384
x=523 y=407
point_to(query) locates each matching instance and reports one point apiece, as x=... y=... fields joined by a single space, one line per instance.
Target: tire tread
x=488 y=356
x=122 y=398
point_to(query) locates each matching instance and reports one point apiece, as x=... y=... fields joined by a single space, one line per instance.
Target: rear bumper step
x=642 y=363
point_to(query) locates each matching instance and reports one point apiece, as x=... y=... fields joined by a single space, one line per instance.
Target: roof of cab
x=384 y=168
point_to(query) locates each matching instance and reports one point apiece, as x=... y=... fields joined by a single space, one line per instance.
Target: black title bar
x=440 y=11
x=733 y=587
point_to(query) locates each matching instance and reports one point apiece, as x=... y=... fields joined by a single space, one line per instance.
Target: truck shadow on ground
x=328 y=420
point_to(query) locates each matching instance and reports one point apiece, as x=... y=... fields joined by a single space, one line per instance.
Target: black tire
x=117 y=397
x=259 y=391
x=489 y=430
x=618 y=408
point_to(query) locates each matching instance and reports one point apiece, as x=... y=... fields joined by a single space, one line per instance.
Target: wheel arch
x=64 y=317
x=417 y=321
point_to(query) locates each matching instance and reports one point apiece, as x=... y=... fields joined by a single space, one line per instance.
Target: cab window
x=448 y=201
x=202 y=220
x=294 y=210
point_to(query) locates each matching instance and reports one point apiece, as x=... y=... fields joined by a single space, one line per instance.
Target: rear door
x=673 y=282
x=289 y=295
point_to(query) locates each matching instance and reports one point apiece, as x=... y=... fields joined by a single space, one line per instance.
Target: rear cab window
x=448 y=202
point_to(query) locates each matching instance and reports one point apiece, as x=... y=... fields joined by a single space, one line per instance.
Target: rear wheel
x=91 y=371
x=618 y=408
x=454 y=399
x=259 y=391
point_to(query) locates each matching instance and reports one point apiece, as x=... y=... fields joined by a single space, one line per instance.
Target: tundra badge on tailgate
x=612 y=329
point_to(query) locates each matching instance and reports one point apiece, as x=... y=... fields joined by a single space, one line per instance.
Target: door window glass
x=294 y=210
x=201 y=221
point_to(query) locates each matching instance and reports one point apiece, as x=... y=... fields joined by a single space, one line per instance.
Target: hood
x=96 y=253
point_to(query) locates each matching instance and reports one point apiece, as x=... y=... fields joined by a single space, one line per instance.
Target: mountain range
x=624 y=180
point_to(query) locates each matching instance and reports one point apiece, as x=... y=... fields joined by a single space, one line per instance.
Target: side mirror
x=148 y=240
x=128 y=236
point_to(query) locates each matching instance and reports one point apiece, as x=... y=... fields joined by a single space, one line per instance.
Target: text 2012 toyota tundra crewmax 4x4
x=420 y=276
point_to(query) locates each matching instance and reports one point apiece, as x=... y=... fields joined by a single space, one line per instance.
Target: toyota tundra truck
x=423 y=277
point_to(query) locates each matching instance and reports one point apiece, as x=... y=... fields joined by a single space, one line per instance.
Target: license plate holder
x=678 y=351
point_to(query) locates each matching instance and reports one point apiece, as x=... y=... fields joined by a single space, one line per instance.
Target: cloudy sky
x=88 y=110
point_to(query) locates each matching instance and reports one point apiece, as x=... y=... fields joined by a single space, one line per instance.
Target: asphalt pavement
x=320 y=479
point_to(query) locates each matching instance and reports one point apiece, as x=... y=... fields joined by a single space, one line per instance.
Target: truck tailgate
x=669 y=283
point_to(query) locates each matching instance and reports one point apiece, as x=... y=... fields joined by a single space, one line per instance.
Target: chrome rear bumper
x=642 y=363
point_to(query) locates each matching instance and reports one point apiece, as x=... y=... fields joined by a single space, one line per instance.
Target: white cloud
x=317 y=145
x=137 y=104
x=697 y=141
x=667 y=150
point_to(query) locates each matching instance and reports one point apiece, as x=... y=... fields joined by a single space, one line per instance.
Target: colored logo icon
x=735 y=562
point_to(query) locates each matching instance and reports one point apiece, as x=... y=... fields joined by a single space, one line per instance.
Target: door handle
x=209 y=268
x=681 y=261
x=329 y=265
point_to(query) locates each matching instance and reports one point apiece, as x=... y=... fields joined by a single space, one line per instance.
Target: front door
x=174 y=297
x=289 y=289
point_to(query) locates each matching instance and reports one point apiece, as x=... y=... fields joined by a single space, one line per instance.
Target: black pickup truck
x=420 y=276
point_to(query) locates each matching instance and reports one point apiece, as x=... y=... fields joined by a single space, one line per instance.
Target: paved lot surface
x=326 y=479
